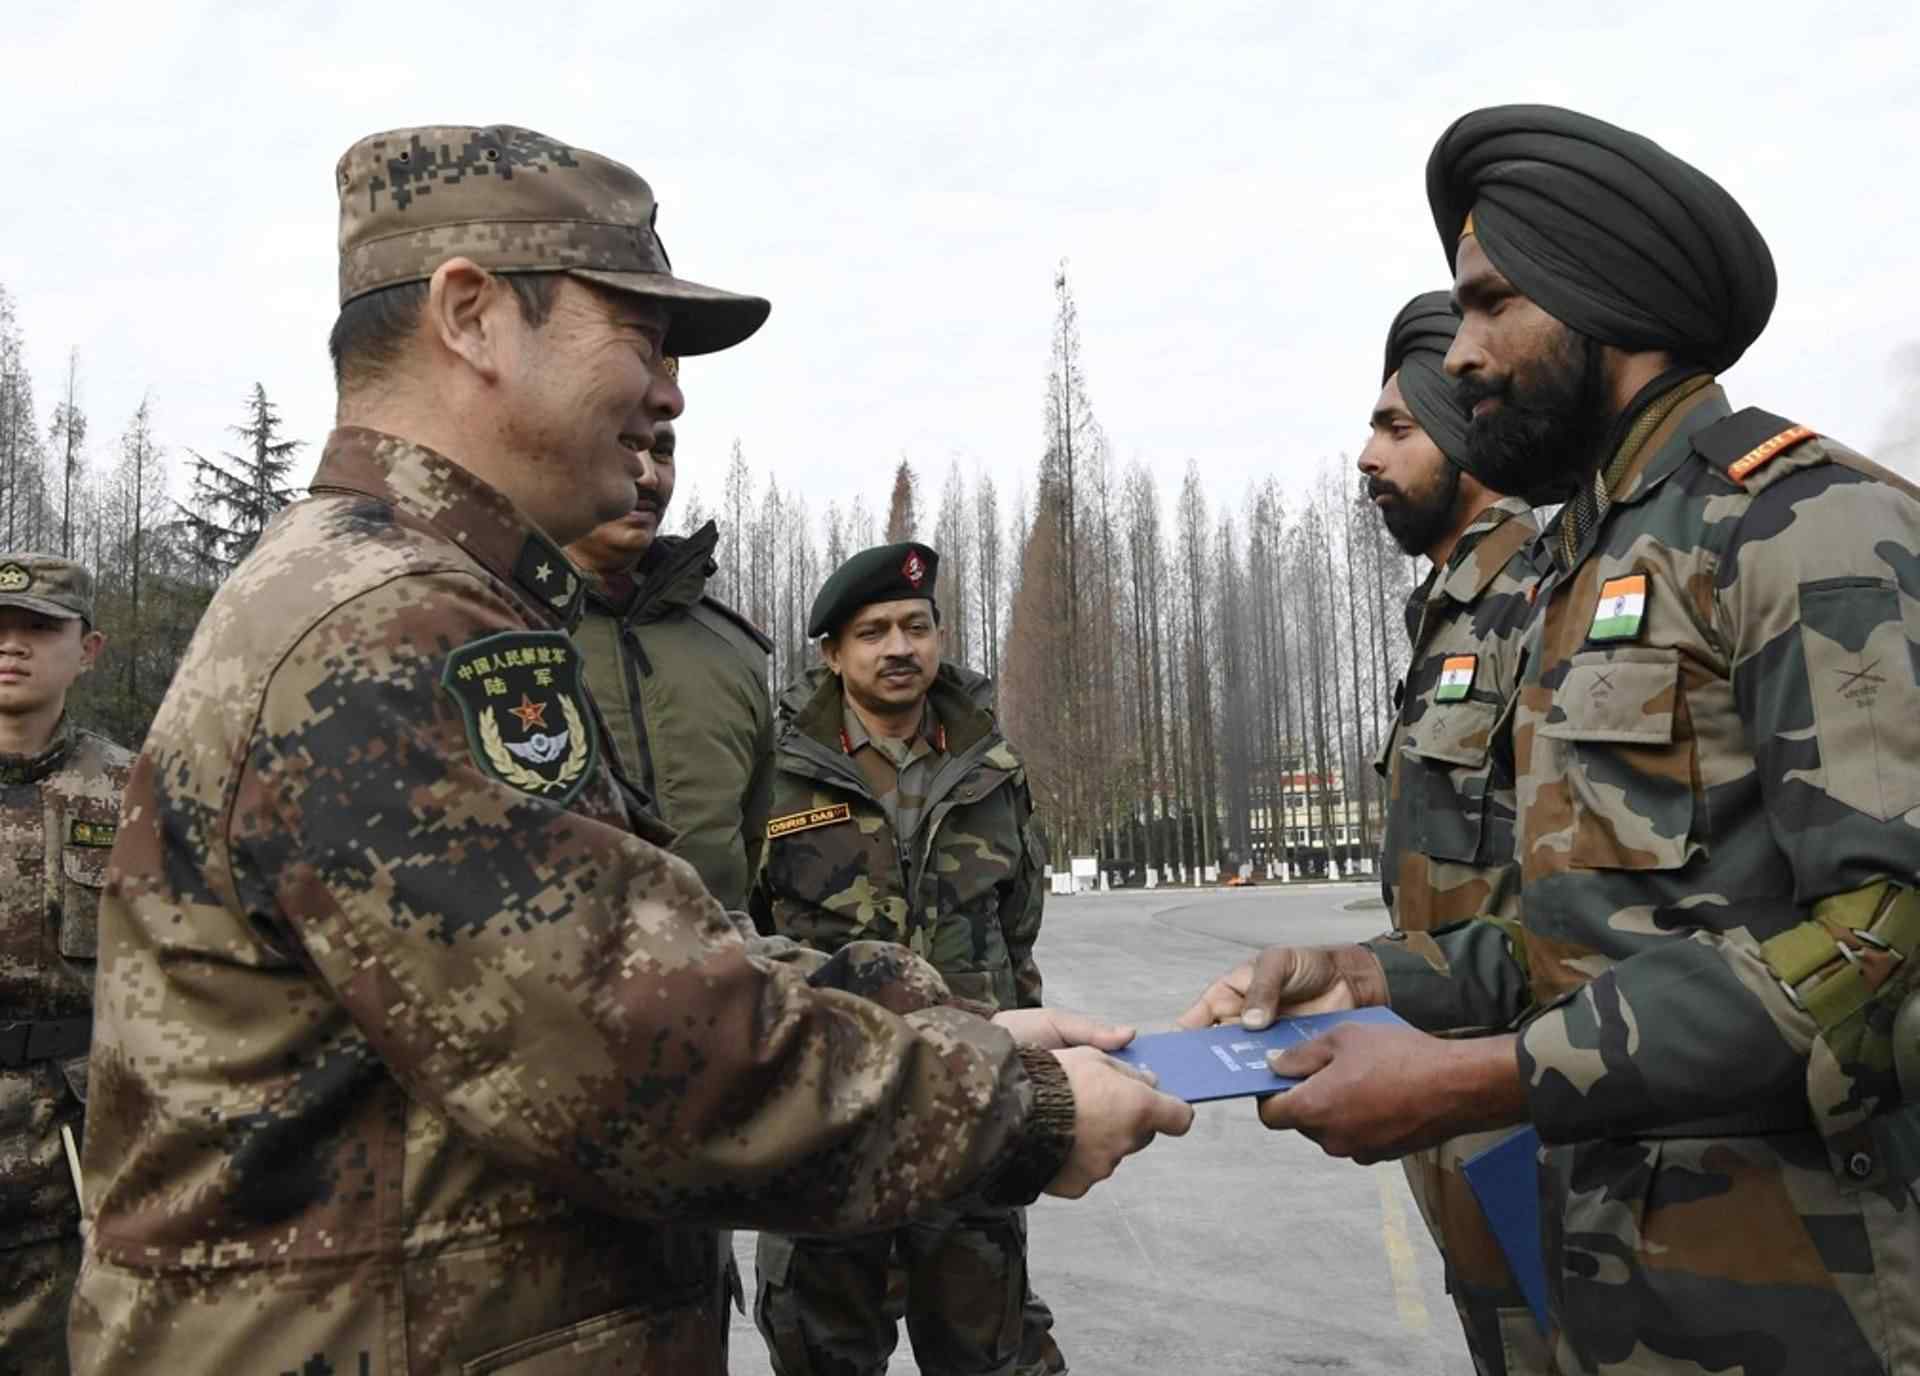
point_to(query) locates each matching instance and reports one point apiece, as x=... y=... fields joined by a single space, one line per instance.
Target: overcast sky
x=1238 y=188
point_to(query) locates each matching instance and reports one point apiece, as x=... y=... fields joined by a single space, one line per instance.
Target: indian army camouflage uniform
x=940 y=855
x=1718 y=754
x=415 y=1053
x=58 y=811
x=681 y=681
x=1448 y=856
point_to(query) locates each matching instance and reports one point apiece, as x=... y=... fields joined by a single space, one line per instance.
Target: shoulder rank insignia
x=547 y=575
x=1740 y=444
x=806 y=821
x=97 y=834
x=526 y=712
x=1456 y=678
x=1623 y=604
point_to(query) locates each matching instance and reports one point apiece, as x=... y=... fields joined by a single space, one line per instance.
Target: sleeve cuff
x=1046 y=1139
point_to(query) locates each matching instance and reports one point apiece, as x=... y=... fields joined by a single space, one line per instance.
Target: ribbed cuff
x=1046 y=1139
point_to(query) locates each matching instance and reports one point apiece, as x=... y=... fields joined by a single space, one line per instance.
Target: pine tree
x=236 y=495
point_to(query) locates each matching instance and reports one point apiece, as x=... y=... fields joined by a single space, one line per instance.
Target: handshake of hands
x=1371 y=1093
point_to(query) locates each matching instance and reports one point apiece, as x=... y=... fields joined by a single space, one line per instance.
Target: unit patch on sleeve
x=806 y=821
x=1456 y=678
x=526 y=711
x=1623 y=604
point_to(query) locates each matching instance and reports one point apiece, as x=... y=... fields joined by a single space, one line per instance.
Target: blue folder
x=1229 y=1062
x=1506 y=1180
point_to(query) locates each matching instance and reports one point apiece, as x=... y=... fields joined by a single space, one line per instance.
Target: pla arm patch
x=528 y=724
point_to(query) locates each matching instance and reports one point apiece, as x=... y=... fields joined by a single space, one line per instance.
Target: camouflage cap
x=513 y=200
x=884 y=573
x=46 y=584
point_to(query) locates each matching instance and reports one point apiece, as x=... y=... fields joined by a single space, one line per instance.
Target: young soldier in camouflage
x=416 y=1051
x=901 y=814
x=60 y=793
x=1718 y=749
x=1448 y=853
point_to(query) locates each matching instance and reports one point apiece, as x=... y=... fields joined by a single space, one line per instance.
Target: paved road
x=1234 y=1249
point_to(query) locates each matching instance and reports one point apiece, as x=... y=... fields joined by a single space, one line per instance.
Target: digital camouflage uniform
x=415 y=1052
x=58 y=811
x=941 y=856
x=1718 y=756
x=1448 y=856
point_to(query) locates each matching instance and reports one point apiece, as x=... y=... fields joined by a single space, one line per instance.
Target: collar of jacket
x=956 y=697
x=671 y=577
x=1476 y=560
x=468 y=511
x=30 y=769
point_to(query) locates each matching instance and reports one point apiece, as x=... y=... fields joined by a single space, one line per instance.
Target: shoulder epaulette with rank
x=759 y=637
x=544 y=573
x=1744 y=441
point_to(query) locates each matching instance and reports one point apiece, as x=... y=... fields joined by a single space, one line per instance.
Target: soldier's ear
x=462 y=314
x=91 y=644
x=830 y=653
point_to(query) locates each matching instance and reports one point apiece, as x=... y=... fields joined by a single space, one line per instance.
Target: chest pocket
x=1630 y=768
x=83 y=876
x=1447 y=770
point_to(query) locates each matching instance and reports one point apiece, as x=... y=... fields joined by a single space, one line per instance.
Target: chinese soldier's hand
x=1291 y=980
x=1373 y=1093
x=1116 y=1112
x=1054 y=1029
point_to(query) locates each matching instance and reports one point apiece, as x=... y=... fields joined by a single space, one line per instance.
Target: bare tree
x=903 y=512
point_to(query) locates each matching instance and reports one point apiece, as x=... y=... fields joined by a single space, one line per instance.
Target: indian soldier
x=681 y=681
x=1718 y=754
x=417 y=1051
x=900 y=813
x=1448 y=852
x=60 y=793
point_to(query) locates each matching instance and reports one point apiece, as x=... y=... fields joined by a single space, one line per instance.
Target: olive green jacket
x=965 y=893
x=681 y=680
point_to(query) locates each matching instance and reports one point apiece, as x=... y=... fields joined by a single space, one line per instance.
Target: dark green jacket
x=682 y=682
x=965 y=893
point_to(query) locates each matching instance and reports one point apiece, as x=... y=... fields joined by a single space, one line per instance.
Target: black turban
x=1604 y=230
x=1416 y=346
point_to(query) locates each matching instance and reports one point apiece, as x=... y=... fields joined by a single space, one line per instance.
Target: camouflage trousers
x=822 y=1304
x=36 y=1286
x=1735 y=1254
x=1502 y=1335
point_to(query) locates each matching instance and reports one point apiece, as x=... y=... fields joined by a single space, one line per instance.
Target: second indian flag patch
x=1456 y=678
x=1623 y=602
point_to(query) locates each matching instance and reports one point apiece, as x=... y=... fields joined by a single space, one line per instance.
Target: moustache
x=894 y=666
x=1469 y=392
x=1377 y=488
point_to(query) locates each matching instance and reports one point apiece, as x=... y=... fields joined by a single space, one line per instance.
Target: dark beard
x=1416 y=520
x=1543 y=440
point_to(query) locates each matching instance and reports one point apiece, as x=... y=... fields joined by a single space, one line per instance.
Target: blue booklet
x=1506 y=1180
x=1229 y=1062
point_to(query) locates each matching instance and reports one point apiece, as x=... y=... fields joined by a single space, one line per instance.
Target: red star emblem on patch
x=531 y=713
x=915 y=569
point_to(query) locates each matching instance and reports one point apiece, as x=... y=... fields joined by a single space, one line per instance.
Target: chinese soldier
x=901 y=814
x=60 y=793
x=1449 y=761
x=417 y=1051
x=1717 y=746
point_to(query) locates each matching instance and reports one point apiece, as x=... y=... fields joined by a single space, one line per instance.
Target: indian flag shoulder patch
x=1456 y=678
x=1623 y=604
